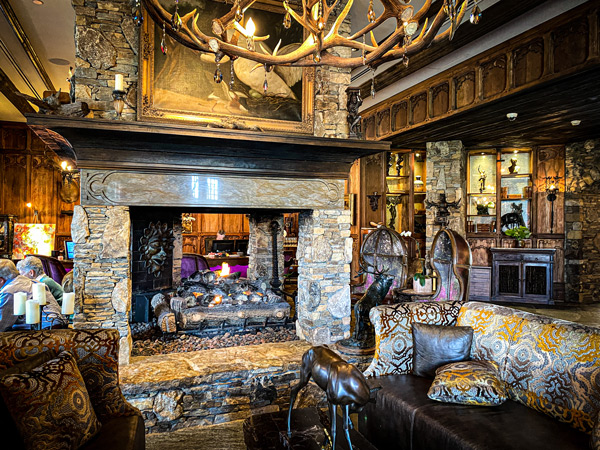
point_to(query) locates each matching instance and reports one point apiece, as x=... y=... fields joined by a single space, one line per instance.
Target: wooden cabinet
x=523 y=275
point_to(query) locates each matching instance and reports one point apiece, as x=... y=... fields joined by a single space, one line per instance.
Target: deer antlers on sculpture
x=313 y=16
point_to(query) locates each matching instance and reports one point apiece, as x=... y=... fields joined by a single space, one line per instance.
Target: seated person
x=10 y=283
x=32 y=268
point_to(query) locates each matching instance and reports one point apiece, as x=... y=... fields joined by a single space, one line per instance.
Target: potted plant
x=519 y=233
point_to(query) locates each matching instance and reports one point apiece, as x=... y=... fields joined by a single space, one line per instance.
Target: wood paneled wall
x=236 y=226
x=31 y=173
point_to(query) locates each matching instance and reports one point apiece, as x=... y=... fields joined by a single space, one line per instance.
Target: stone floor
x=229 y=436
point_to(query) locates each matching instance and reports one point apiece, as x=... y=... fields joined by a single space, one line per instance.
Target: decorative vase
x=419 y=185
x=427 y=289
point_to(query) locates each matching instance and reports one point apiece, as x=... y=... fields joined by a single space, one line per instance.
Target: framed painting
x=180 y=85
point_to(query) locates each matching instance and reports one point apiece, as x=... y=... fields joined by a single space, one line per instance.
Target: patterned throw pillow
x=468 y=383
x=50 y=405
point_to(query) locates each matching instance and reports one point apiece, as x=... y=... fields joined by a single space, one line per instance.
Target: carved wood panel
x=369 y=127
x=480 y=250
x=528 y=62
x=493 y=75
x=383 y=122
x=465 y=89
x=190 y=244
x=399 y=115
x=570 y=44
x=418 y=107
x=551 y=162
x=440 y=99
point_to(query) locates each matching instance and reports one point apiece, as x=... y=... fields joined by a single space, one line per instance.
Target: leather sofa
x=551 y=370
x=96 y=353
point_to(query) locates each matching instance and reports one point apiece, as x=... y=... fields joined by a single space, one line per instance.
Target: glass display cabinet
x=499 y=191
x=405 y=178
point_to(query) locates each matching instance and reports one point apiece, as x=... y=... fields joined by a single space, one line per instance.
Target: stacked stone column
x=324 y=255
x=446 y=173
x=102 y=275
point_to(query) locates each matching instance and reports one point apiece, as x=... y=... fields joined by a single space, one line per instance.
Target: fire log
x=164 y=314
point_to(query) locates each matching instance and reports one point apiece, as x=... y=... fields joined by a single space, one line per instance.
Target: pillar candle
x=32 y=313
x=118 y=82
x=68 y=303
x=19 y=299
x=39 y=293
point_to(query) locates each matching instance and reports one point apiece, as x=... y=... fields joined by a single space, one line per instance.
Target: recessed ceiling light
x=59 y=61
x=575 y=122
x=38 y=2
x=512 y=116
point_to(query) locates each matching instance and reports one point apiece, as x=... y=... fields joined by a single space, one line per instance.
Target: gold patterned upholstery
x=96 y=354
x=549 y=365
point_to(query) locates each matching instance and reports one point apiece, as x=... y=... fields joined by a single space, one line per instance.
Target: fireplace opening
x=203 y=279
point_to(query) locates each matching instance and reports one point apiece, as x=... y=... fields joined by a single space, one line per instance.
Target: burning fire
x=215 y=301
x=198 y=294
x=225 y=270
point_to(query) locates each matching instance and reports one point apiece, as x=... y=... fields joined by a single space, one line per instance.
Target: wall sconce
x=374 y=200
x=551 y=190
x=69 y=189
x=119 y=95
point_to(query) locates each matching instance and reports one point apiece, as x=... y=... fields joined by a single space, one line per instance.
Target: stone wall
x=260 y=246
x=446 y=172
x=324 y=254
x=102 y=271
x=106 y=43
x=582 y=224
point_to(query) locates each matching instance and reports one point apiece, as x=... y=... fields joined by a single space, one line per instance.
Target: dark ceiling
x=545 y=115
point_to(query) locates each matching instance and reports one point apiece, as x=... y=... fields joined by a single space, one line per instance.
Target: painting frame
x=148 y=110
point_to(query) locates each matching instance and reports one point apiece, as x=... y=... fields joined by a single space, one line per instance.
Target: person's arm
x=7 y=316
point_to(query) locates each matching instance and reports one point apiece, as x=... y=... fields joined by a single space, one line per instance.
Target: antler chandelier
x=410 y=36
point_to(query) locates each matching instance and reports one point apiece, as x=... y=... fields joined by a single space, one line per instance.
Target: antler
x=398 y=44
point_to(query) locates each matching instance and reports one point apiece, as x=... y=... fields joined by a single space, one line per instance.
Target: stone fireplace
x=125 y=166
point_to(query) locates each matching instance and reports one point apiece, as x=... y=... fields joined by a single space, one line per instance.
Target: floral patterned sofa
x=95 y=352
x=550 y=369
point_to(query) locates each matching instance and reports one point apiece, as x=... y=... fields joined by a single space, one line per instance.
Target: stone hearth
x=127 y=165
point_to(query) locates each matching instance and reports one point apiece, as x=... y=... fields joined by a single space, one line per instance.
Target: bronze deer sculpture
x=343 y=383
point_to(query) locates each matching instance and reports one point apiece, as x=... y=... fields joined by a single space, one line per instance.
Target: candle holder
x=119 y=102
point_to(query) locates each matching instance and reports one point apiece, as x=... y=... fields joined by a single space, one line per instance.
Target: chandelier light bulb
x=250 y=27
x=63 y=165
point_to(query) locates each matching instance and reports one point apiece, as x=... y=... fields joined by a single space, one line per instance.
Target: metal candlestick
x=119 y=102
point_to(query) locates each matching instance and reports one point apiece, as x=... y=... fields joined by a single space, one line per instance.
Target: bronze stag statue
x=343 y=383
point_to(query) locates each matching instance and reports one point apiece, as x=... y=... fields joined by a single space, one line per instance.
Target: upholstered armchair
x=192 y=262
x=117 y=424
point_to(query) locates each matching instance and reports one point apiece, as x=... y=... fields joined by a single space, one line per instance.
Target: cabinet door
x=507 y=276
x=536 y=282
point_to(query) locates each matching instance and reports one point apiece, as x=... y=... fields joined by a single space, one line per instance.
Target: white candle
x=19 y=303
x=118 y=82
x=68 y=303
x=39 y=293
x=32 y=313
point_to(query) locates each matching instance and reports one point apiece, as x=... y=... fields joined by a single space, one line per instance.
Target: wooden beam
x=493 y=18
x=12 y=19
x=10 y=92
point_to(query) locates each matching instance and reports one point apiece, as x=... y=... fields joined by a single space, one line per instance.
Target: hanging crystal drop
x=136 y=14
x=317 y=57
x=218 y=75
x=163 y=42
x=371 y=13
x=265 y=84
x=373 y=83
x=239 y=14
x=475 y=15
x=364 y=52
x=287 y=21
x=175 y=18
x=232 y=77
x=405 y=60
